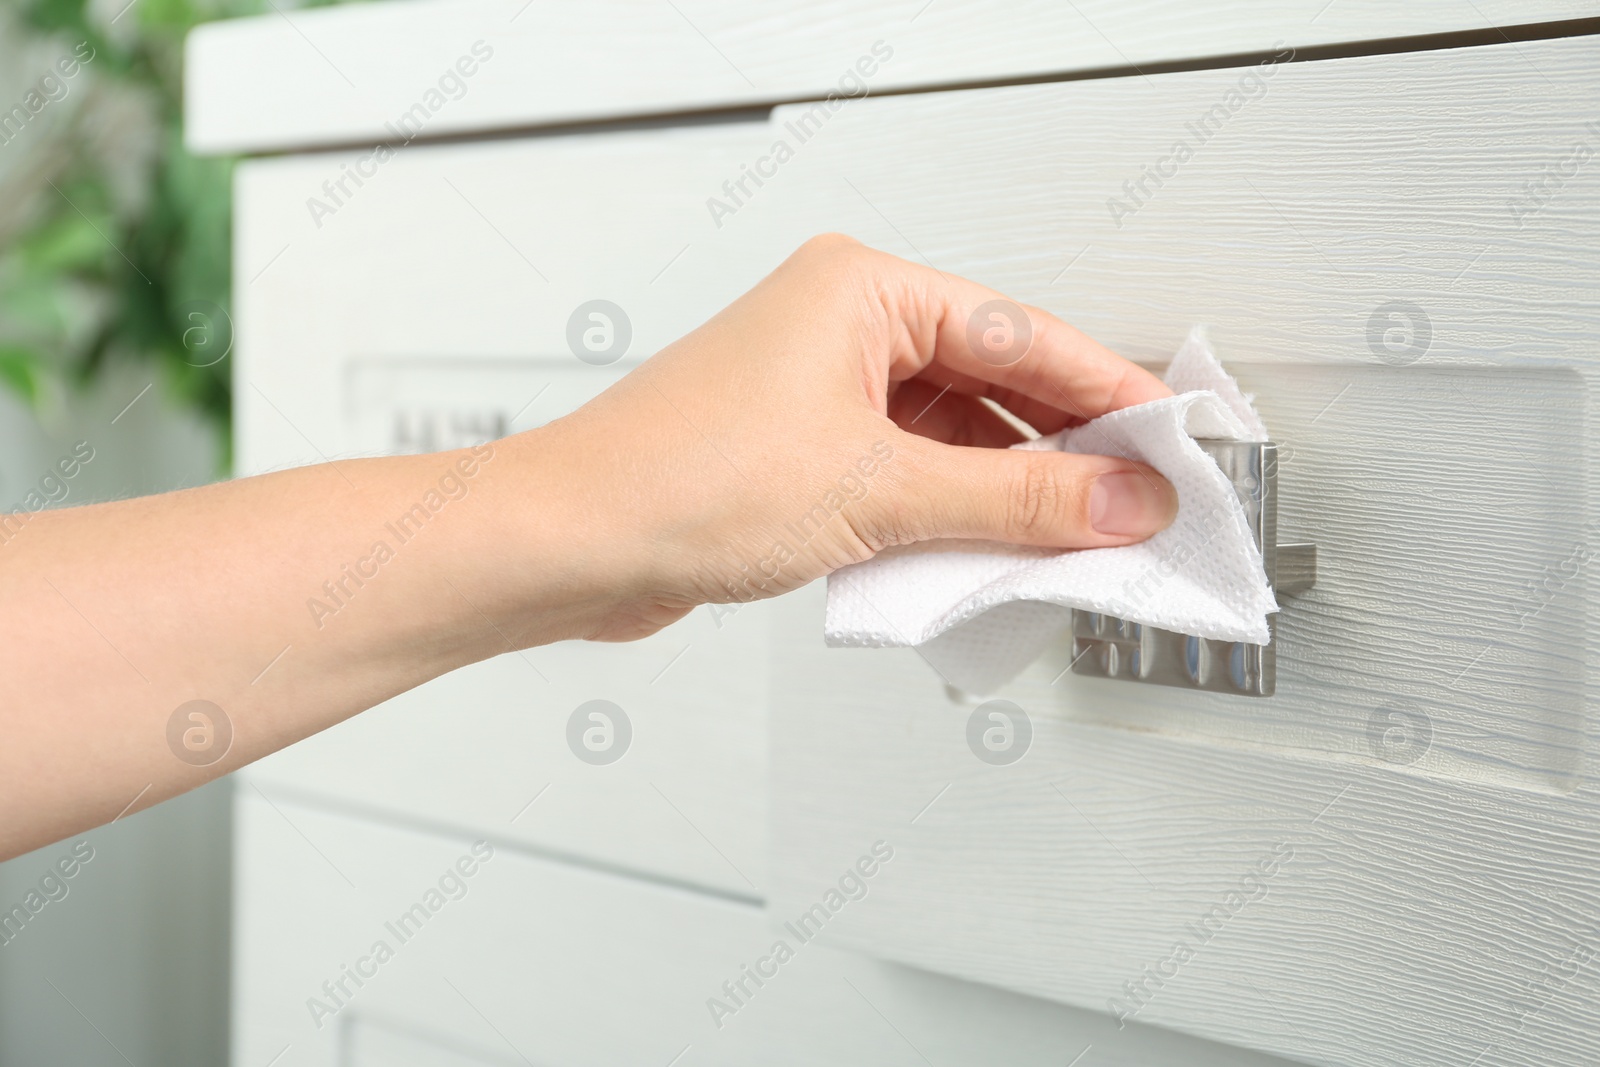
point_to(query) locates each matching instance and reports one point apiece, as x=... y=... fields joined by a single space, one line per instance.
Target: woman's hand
x=832 y=411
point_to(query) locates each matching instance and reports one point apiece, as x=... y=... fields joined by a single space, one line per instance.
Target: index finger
x=977 y=332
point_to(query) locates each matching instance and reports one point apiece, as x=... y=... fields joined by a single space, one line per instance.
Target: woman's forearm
x=288 y=601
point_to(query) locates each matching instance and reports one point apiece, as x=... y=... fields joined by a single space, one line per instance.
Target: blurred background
x=114 y=330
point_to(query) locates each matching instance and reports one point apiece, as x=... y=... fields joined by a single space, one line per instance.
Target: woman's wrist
x=545 y=551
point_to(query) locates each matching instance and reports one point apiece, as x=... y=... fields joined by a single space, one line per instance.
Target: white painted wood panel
x=394 y=1043
x=1433 y=898
x=526 y=961
x=338 y=75
x=373 y=1043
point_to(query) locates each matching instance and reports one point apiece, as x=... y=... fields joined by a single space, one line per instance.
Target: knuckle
x=887 y=521
x=1046 y=501
x=831 y=244
x=882 y=529
x=893 y=513
x=833 y=255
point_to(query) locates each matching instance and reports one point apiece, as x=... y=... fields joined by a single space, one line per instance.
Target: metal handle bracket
x=1108 y=647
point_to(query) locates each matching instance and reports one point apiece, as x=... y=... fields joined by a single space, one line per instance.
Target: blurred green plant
x=125 y=242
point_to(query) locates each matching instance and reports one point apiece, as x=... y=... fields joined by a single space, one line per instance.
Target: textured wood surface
x=305 y=77
x=529 y=961
x=1443 y=909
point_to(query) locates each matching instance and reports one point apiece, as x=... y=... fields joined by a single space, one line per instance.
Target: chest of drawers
x=1388 y=222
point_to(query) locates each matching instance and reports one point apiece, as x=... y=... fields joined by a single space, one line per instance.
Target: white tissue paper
x=981 y=611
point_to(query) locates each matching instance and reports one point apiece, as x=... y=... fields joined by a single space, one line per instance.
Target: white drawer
x=339 y=74
x=1412 y=819
x=380 y=1043
x=551 y=964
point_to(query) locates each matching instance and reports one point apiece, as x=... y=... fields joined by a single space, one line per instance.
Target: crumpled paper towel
x=981 y=611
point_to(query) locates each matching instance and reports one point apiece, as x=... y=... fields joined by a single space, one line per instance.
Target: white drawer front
x=525 y=961
x=339 y=74
x=374 y=1043
x=1421 y=786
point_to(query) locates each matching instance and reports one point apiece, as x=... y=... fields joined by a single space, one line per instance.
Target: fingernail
x=1131 y=504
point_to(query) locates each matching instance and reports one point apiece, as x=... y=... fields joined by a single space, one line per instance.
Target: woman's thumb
x=1051 y=499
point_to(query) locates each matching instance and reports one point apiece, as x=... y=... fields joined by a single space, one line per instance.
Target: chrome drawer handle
x=1107 y=647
